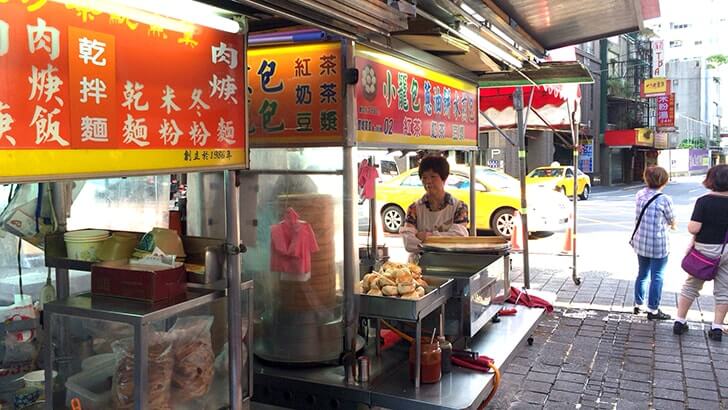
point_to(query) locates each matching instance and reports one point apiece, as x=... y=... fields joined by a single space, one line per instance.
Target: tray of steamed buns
x=400 y=291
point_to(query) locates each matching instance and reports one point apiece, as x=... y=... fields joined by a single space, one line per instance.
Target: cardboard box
x=141 y=282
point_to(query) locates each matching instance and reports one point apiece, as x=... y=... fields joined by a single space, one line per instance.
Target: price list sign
x=90 y=93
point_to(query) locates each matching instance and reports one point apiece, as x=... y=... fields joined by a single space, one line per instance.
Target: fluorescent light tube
x=472 y=12
x=486 y=46
x=174 y=15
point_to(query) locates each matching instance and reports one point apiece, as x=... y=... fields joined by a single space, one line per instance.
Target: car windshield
x=496 y=179
x=547 y=172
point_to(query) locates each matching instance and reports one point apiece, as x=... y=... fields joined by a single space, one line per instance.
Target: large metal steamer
x=479 y=267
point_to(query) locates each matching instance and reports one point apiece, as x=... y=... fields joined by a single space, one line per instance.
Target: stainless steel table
x=390 y=386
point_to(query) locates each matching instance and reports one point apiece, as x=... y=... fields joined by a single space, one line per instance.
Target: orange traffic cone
x=517 y=233
x=568 y=247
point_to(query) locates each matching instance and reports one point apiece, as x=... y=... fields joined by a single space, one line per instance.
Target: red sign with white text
x=400 y=103
x=84 y=92
x=666 y=110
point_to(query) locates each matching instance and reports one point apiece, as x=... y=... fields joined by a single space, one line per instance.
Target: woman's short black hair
x=717 y=178
x=435 y=163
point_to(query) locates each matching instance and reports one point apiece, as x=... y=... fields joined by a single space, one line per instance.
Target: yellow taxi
x=561 y=178
x=497 y=197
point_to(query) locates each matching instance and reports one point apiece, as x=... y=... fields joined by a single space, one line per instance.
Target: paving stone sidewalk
x=592 y=352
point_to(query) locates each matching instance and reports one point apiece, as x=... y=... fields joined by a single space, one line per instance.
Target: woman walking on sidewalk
x=709 y=225
x=650 y=241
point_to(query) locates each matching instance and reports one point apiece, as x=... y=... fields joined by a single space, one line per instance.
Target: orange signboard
x=87 y=93
x=297 y=95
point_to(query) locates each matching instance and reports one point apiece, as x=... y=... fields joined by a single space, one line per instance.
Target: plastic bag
x=19 y=346
x=104 y=333
x=193 y=357
x=160 y=365
x=29 y=213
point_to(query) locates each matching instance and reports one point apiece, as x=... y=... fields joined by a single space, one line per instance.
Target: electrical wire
x=496 y=383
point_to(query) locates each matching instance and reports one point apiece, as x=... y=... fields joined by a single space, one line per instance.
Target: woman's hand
x=422 y=235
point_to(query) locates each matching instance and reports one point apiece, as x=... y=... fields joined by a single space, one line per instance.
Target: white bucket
x=82 y=245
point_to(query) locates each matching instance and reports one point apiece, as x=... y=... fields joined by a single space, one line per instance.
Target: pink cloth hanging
x=292 y=242
x=368 y=175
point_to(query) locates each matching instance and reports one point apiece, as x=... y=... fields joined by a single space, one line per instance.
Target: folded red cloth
x=521 y=297
x=480 y=364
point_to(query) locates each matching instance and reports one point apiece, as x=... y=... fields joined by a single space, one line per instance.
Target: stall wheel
x=530 y=341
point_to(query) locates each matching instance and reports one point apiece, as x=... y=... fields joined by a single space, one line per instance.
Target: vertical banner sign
x=88 y=93
x=666 y=110
x=296 y=95
x=399 y=103
x=586 y=155
x=658 y=58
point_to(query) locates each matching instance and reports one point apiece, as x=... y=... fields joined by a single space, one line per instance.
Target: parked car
x=497 y=198
x=561 y=178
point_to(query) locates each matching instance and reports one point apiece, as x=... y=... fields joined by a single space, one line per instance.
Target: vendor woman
x=437 y=213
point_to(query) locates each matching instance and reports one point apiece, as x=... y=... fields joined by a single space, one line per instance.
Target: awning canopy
x=558 y=23
x=551 y=103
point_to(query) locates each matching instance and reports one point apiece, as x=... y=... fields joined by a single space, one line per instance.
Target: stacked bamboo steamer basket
x=319 y=291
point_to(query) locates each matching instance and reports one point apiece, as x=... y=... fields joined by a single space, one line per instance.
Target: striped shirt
x=651 y=239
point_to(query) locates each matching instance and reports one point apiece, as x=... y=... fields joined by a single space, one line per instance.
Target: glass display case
x=183 y=360
x=296 y=258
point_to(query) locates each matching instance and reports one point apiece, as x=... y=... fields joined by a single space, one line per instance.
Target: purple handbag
x=700 y=266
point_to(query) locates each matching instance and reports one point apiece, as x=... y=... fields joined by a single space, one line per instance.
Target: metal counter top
x=390 y=386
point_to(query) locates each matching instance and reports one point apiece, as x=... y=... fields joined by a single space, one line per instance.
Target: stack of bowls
x=83 y=245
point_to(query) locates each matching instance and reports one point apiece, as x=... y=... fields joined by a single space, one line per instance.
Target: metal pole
x=521 y=131
x=235 y=320
x=473 y=227
x=373 y=217
x=575 y=151
x=351 y=260
x=351 y=256
x=58 y=194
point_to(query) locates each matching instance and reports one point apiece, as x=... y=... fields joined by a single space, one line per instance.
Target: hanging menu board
x=88 y=93
x=297 y=97
x=404 y=104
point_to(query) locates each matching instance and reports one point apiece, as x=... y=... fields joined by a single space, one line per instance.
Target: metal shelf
x=128 y=310
x=56 y=256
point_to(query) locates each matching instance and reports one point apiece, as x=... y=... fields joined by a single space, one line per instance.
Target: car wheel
x=503 y=222
x=392 y=218
x=585 y=194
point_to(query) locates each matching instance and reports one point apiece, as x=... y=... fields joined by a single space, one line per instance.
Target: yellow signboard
x=655 y=87
x=645 y=137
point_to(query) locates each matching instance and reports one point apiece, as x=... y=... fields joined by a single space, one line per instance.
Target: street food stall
x=101 y=89
x=317 y=344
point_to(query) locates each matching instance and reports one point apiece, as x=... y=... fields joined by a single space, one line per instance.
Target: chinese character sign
x=91 y=93
x=654 y=87
x=296 y=95
x=405 y=104
x=666 y=110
